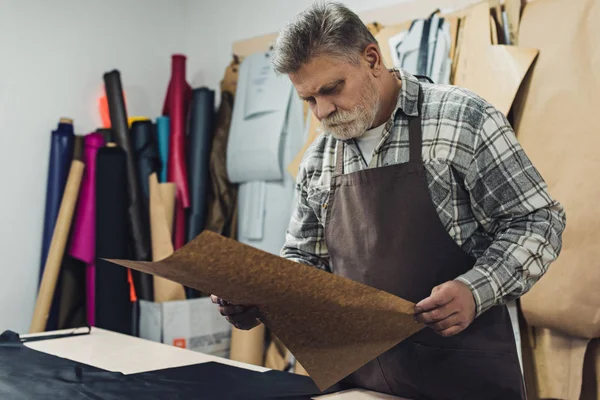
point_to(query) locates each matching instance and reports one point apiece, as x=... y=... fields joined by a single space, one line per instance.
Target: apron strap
x=415 y=134
x=339 y=158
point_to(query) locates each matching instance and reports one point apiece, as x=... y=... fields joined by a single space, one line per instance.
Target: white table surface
x=129 y=355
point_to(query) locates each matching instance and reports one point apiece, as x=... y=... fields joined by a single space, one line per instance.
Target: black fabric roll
x=113 y=304
x=78 y=148
x=72 y=300
x=202 y=118
x=145 y=147
x=107 y=133
x=139 y=224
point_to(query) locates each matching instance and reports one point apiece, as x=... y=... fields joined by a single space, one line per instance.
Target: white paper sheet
x=252 y=209
x=259 y=113
x=279 y=194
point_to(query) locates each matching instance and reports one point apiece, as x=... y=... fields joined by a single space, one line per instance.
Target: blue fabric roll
x=162 y=131
x=61 y=154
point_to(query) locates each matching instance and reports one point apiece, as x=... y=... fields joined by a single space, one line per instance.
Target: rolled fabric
x=139 y=224
x=78 y=147
x=145 y=148
x=200 y=140
x=162 y=206
x=176 y=106
x=72 y=309
x=61 y=154
x=83 y=238
x=114 y=309
x=248 y=346
x=162 y=133
x=56 y=251
x=107 y=133
x=222 y=194
x=132 y=120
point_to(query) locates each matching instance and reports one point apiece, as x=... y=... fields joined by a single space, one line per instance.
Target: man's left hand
x=448 y=310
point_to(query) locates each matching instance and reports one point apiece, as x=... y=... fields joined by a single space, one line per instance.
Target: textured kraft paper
x=556 y=121
x=331 y=324
x=494 y=72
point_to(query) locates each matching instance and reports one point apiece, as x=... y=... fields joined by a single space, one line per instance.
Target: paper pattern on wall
x=265 y=208
x=258 y=119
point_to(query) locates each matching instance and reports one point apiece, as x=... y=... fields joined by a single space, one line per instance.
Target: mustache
x=339 y=118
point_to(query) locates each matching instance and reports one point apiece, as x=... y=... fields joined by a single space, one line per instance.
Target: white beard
x=345 y=125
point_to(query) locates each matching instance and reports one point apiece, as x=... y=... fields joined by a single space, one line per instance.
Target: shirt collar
x=408 y=97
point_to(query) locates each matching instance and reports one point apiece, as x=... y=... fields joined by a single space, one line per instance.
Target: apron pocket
x=464 y=374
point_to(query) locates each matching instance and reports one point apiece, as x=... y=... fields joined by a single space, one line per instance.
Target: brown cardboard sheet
x=556 y=121
x=331 y=324
x=494 y=72
x=553 y=364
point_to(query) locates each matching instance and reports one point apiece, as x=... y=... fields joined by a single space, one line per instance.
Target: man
x=421 y=190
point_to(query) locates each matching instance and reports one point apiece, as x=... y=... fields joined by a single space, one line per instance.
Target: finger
x=247 y=325
x=240 y=318
x=453 y=330
x=223 y=302
x=214 y=299
x=437 y=314
x=231 y=310
x=438 y=298
x=446 y=323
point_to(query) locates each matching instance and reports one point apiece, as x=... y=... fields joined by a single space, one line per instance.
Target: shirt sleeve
x=305 y=239
x=510 y=200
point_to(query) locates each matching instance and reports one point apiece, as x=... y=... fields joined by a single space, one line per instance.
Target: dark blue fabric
x=32 y=375
x=202 y=115
x=61 y=154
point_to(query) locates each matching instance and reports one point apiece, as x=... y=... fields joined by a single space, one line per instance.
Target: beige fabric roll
x=162 y=206
x=57 y=248
x=277 y=356
x=248 y=346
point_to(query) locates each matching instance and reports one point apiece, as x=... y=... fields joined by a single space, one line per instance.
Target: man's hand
x=242 y=317
x=448 y=310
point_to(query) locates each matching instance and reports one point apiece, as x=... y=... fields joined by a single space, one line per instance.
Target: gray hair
x=324 y=28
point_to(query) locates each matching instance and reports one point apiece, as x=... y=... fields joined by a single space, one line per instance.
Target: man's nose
x=324 y=108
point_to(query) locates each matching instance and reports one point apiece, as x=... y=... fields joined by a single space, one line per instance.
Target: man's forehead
x=317 y=74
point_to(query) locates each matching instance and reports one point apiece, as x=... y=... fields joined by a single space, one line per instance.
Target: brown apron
x=383 y=230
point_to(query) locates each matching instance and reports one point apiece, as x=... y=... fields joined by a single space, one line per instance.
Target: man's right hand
x=242 y=317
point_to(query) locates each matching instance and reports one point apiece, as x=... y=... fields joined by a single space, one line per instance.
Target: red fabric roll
x=176 y=106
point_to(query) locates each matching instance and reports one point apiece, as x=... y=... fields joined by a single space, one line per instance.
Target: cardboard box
x=191 y=324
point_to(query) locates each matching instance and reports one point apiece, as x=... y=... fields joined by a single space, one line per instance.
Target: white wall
x=52 y=57
x=215 y=25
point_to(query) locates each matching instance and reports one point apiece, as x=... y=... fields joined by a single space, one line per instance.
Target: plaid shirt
x=490 y=198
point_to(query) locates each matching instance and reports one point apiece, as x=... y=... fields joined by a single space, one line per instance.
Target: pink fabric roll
x=176 y=106
x=83 y=237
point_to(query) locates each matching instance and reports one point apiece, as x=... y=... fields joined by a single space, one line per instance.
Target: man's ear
x=372 y=56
